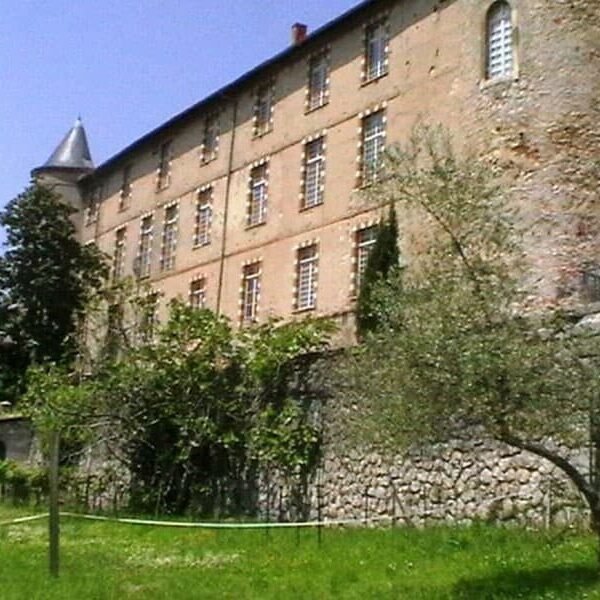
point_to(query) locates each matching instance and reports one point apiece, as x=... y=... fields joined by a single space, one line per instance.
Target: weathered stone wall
x=471 y=479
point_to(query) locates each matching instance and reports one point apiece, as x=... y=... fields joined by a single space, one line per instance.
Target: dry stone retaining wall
x=461 y=482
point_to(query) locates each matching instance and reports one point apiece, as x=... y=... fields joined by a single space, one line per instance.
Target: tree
x=456 y=345
x=191 y=412
x=383 y=261
x=46 y=278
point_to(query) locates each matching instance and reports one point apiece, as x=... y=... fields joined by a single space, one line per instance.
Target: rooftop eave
x=314 y=39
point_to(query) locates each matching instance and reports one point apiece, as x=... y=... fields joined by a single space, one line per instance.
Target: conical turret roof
x=73 y=152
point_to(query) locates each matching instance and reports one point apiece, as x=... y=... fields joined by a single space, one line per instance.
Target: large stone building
x=250 y=203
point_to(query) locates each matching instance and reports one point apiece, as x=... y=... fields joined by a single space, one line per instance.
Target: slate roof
x=73 y=151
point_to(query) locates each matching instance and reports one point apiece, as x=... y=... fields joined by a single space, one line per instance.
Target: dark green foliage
x=45 y=280
x=193 y=412
x=383 y=260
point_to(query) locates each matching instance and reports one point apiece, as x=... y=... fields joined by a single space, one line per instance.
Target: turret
x=70 y=161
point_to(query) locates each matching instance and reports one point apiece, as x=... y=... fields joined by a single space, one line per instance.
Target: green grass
x=107 y=560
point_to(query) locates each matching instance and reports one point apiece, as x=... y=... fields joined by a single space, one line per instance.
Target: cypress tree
x=383 y=259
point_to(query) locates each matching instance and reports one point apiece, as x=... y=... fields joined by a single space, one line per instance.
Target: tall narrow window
x=376 y=50
x=119 y=253
x=198 y=293
x=590 y=282
x=148 y=318
x=93 y=208
x=499 y=50
x=210 y=138
x=145 y=247
x=203 y=218
x=318 y=80
x=306 y=277
x=314 y=173
x=125 y=190
x=114 y=330
x=257 y=206
x=373 y=145
x=263 y=109
x=169 y=239
x=365 y=240
x=163 y=175
x=250 y=292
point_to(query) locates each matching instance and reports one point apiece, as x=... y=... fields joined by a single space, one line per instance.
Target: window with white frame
x=499 y=50
x=147 y=318
x=169 y=238
x=373 y=145
x=306 y=277
x=125 y=190
x=318 y=80
x=210 y=138
x=93 y=208
x=119 y=253
x=250 y=292
x=163 y=175
x=197 y=295
x=314 y=173
x=263 y=108
x=257 y=205
x=145 y=246
x=376 y=50
x=203 y=217
x=365 y=241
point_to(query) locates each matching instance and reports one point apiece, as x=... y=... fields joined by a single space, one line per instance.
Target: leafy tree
x=46 y=277
x=383 y=261
x=457 y=346
x=191 y=412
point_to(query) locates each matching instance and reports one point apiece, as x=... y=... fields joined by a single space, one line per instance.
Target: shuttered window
x=499 y=41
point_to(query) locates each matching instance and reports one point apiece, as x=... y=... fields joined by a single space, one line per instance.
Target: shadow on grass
x=529 y=584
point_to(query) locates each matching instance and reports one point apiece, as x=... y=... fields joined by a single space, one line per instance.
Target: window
x=499 y=47
x=145 y=247
x=125 y=190
x=163 y=176
x=365 y=240
x=148 y=318
x=198 y=293
x=119 y=254
x=169 y=239
x=114 y=330
x=318 y=81
x=203 y=218
x=257 y=208
x=590 y=280
x=376 y=50
x=314 y=173
x=93 y=208
x=373 y=145
x=306 y=277
x=250 y=292
x=210 y=138
x=263 y=109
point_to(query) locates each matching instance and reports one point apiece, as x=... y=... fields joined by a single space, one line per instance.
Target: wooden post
x=53 y=522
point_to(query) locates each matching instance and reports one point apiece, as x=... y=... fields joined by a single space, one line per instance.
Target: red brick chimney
x=299 y=33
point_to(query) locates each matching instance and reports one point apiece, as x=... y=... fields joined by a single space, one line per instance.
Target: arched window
x=2 y=450
x=499 y=42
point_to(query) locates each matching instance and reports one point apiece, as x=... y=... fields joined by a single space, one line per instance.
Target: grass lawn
x=108 y=560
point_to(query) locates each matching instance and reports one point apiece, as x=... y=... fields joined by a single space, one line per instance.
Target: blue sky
x=125 y=66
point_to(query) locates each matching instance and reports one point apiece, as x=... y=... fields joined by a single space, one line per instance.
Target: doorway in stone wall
x=2 y=450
